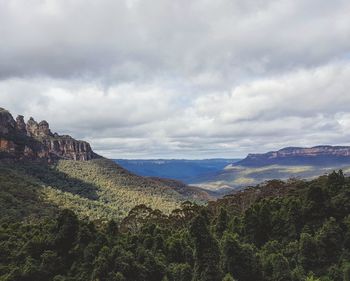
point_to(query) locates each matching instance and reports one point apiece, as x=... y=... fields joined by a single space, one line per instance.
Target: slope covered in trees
x=97 y=189
x=279 y=231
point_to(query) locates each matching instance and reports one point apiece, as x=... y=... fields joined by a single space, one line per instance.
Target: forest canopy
x=294 y=230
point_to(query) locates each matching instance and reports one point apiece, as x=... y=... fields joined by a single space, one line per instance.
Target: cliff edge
x=33 y=140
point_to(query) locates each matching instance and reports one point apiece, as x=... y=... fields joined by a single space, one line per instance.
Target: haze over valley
x=234 y=174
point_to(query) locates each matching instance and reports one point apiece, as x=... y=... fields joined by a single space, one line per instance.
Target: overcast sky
x=180 y=78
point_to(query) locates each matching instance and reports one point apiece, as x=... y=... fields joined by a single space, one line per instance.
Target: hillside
x=96 y=189
x=295 y=231
x=42 y=172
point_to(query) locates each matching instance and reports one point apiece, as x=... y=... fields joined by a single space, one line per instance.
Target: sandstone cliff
x=35 y=140
x=318 y=155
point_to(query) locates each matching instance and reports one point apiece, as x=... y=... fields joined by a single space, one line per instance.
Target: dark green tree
x=239 y=259
x=67 y=231
x=308 y=252
x=221 y=223
x=228 y=277
x=346 y=270
x=206 y=252
x=180 y=272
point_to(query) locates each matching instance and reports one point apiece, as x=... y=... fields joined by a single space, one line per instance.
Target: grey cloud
x=119 y=41
x=180 y=78
x=132 y=120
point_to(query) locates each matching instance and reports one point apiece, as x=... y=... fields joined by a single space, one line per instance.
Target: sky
x=178 y=78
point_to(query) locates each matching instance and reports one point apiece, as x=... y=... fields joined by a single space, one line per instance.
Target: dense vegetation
x=280 y=231
x=98 y=189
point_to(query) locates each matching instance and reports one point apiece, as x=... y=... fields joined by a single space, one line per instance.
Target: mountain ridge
x=316 y=155
x=33 y=140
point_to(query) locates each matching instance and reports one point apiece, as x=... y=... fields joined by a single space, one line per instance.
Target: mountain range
x=322 y=155
x=284 y=164
x=61 y=155
x=223 y=175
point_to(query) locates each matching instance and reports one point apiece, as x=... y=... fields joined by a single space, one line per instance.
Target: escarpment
x=33 y=140
x=317 y=155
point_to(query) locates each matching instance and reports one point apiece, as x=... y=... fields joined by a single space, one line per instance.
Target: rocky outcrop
x=21 y=125
x=69 y=148
x=38 y=130
x=7 y=124
x=6 y=145
x=33 y=140
x=318 y=155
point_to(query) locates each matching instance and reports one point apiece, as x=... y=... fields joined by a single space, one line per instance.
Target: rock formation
x=36 y=141
x=7 y=124
x=21 y=125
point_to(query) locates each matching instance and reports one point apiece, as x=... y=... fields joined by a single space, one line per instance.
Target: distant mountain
x=187 y=171
x=289 y=162
x=323 y=155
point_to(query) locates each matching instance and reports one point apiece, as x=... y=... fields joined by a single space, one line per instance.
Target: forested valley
x=294 y=230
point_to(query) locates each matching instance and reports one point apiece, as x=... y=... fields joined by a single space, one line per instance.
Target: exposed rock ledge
x=35 y=140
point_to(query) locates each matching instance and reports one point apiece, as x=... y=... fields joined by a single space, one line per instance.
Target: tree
x=116 y=277
x=221 y=224
x=67 y=231
x=308 y=252
x=257 y=221
x=312 y=278
x=336 y=180
x=346 y=271
x=102 y=264
x=206 y=253
x=316 y=204
x=329 y=242
x=228 y=277
x=238 y=259
x=180 y=272
x=280 y=268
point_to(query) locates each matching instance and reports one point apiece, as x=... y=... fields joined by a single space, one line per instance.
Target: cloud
x=298 y=108
x=219 y=41
x=178 y=78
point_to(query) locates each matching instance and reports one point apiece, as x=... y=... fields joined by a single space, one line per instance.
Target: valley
x=69 y=214
x=185 y=170
x=223 y=176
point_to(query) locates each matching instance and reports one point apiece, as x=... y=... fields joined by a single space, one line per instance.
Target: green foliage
x=228 y=277
x=299 y=234
x=222 y=223
x=347 y=272
x=206 y=251
x=238 y=258
x=180 y=272
x=98 y=189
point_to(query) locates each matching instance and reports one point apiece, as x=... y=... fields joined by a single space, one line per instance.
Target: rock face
x=319 y=155
x=21 y=125
x=7 y=124
x=36 y=141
